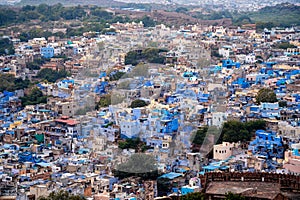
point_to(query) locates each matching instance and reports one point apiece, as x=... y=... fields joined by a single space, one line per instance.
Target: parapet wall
x=286 y=181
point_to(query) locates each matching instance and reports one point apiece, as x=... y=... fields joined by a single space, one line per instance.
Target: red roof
x=70 y=122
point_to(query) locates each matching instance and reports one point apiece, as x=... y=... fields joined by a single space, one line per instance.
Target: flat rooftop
x=249 y=189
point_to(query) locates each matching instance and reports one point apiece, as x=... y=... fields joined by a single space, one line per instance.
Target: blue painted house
x=47 y=52
x=169 y=125
x=101 y=87
x=241 y=82
x=229 y=64
x=267 y=144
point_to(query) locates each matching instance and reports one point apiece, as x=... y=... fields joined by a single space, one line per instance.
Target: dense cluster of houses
x=210 y=75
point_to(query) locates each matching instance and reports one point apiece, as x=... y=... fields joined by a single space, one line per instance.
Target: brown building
x=250 y=190
x=258 y=185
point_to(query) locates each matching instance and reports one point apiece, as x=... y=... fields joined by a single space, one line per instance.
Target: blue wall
x=47 y=52
x=230 y=64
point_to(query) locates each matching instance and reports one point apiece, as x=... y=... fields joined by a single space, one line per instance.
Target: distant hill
x=280 y=15
x=102 y=3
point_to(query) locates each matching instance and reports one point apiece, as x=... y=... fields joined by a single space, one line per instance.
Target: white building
x=223 y=151
x=129 y=128
x=225 y=51
x=288 y=131
x=218 y=118
x=220 y=31
x=250 y=59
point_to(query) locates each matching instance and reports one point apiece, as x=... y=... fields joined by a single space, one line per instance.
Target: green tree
x=73 y=13
x=121 y=19
x=110 y=30
x=116 y=76
x=43 y=8
x=7 y=82
x=98 y=16
x=7 y=16
x=215 y=53
x=104 y=101
x=255 y=125
x=262 y=25
x=19 y=83
x=10 y=83
x=138 y=103
x=51 y=75
x=34 y=97
x=266 y=95
x=134 y=143
x=181 y=10
x=6 y=47
x=231 y=132
x=31 y=15
x=151 y=55
x=235 y=131
x=282 y=103
x=28 y=8
x=62 y=195
x=148 y=21
x=131 y=58
x=24 y=37
x=286 y=15
x=35 y=64
x=284 y=45
x=200 y=136
x=140 y=165
x=60 y=34
x=244 y=19
x=101 y=14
